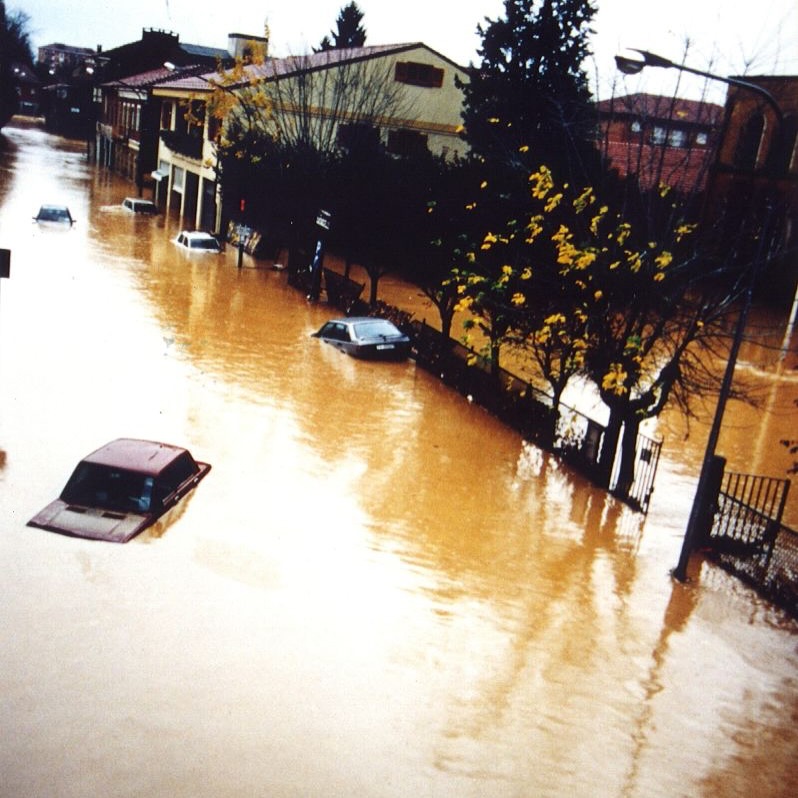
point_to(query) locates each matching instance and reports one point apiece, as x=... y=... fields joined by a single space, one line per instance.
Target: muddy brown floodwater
x=378 y=591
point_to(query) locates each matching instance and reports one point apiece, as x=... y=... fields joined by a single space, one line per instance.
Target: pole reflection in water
x=378 y=590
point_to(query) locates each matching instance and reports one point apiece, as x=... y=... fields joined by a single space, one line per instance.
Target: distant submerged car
x=198 y=241
x=54 y=213
x=366 y=337
x=140 y=205
x=117 y=491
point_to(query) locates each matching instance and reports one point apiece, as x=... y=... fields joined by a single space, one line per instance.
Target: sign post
x=323 y=221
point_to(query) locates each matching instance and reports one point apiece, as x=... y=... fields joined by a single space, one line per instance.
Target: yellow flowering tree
x=587 y=291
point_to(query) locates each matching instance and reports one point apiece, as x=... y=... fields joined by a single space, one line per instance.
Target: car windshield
x=109 y=488
x=378 y=328
x=52 y=214
x=204 y=243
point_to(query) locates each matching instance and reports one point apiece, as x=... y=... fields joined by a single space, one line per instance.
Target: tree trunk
x=626 y=472
x=608 y=447
x=374 y=279
x=446 y=314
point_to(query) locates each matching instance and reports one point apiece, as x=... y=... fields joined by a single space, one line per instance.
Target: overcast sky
x=727 y=36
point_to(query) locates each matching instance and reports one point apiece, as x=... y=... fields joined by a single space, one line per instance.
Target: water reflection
x=379 y=590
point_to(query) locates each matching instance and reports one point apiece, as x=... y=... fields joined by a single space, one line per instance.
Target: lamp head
x=631 y=66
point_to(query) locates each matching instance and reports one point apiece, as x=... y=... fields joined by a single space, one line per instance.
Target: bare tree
x=326 y=100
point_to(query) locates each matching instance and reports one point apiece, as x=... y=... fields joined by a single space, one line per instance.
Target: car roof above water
x=146 y=457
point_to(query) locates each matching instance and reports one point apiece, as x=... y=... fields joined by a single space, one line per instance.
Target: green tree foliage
x=529 y=101
x=14 y=47
x=349 y=31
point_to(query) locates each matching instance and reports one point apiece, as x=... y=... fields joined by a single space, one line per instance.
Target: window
x=214 y=128
x=782 y=147
x=418 y=74
x=659 y=135
x=407 y=142
x=677 y=138
x=358 y=136
x=166 y=116
x=747 y=151
x=636 y=127
x=701 y=138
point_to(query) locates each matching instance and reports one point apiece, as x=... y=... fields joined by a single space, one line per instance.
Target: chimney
x=241 y=46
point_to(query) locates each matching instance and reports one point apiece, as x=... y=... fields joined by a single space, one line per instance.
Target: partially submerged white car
x=198 y=241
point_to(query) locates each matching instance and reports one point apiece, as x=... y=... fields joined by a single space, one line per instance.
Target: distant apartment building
x=62 y=59
x=660 y=140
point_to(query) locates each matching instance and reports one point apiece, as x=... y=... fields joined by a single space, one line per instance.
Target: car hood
x=90 y=522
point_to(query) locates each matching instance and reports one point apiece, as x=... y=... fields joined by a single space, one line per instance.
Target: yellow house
x=405 y=95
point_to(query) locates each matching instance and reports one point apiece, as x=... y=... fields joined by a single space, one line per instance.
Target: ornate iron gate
x=646 y=462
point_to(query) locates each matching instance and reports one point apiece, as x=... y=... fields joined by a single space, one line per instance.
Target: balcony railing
x=183 y=143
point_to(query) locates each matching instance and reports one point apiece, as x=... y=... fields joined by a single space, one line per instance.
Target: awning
x=157 y=175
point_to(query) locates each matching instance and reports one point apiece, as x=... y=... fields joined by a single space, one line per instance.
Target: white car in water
x=198 y=241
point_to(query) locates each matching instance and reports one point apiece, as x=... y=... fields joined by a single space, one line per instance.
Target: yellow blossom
x=635 y=261
x=663 y=260
x=587 y=197
x=518 y=299
x=542 y=182
x=594 y=222
x=553 y=202
x=614 y=380
x=464 y=304
x=489 y=240
x=523 y=148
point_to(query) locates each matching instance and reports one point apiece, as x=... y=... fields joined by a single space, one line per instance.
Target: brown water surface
x=378 y=591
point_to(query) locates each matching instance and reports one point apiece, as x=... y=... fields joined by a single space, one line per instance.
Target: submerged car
x=366 y=337
x=122 y=488
x=140 y=205
x=198 y=241
x=54 y=213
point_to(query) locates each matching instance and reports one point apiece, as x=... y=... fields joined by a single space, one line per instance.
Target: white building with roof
x=405 y=95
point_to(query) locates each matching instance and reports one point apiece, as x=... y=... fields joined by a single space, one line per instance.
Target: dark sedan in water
x=120 y=489
x=57 y=214
x=366 y=337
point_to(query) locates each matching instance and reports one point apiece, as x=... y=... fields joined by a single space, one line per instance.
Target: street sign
x=323 y=220
x=5 y=263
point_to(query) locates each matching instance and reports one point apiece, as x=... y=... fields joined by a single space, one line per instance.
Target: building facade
x=404 y=96
x=127 y=116
x=753 y=186
x=660 y=140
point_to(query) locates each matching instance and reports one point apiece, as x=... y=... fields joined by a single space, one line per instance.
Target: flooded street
x=378 y=590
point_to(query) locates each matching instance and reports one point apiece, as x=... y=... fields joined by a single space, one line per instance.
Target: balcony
x=187 y=144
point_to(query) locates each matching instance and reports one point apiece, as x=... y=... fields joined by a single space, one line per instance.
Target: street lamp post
x=710 y=467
